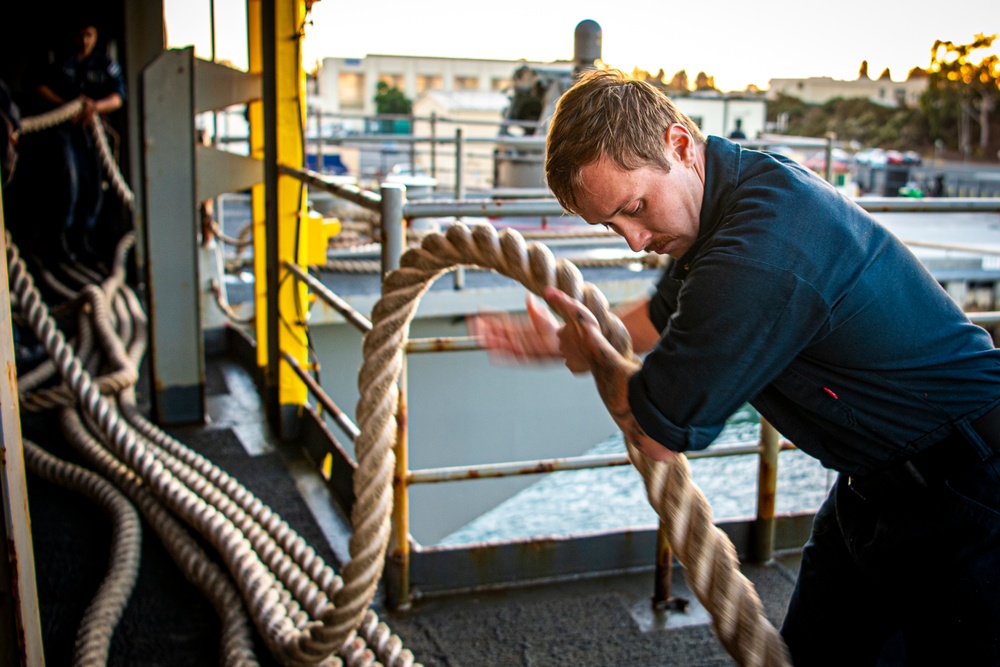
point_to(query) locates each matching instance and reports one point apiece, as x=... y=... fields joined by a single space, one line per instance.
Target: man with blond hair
x=782 y=293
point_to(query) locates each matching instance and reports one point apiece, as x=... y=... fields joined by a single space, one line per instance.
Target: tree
x=704 y=82
x=960 y=86
x=679 y=82
x=389 y=99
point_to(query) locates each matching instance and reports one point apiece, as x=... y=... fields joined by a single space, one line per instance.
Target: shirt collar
x=722 y=168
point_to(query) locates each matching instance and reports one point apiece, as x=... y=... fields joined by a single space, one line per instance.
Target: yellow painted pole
x=276 y=30
x=289 y=25
x=255 y=113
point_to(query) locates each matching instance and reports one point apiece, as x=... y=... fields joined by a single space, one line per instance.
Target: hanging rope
x=66 y=113
x=704 y=550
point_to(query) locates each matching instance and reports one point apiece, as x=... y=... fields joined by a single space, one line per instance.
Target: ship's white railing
x=391 y=205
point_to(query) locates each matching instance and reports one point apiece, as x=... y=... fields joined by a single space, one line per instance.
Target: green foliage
x=389 y=99
x=855 y=120
x=963 y=88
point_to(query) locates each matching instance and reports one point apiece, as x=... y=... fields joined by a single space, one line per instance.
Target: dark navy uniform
x=75 y=170
x=796 y=300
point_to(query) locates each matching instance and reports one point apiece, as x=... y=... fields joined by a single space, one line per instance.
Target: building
x=822 y=89
x=478 y=113
x=348 y=85
x=720 y=113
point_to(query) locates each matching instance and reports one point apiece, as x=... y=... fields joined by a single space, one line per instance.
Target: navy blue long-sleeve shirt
x=797 y=301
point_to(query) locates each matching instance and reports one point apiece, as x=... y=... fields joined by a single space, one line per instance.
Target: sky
x=739 y=43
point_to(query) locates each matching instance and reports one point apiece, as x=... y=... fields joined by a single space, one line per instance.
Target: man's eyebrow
x=618 y=210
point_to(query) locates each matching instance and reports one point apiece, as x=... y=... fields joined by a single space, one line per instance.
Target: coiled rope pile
x=286 y=589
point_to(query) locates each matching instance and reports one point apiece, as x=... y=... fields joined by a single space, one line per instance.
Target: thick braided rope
x=93 y=639
x=111 y=168
x=236 y=644
x=704 y=550
x=67 y=112
x=57 y=116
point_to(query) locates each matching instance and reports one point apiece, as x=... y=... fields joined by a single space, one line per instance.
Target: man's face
x=652 y=209
x=86 y=40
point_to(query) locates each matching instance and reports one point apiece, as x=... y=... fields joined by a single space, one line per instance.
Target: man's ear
x=679 y=142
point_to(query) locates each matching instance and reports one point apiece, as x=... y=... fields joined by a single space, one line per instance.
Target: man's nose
x=636 y=237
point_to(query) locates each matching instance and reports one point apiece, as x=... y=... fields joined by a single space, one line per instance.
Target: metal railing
x=393 y=208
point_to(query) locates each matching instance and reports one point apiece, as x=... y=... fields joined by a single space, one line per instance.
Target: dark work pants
x=84 y=192
x=908 y=574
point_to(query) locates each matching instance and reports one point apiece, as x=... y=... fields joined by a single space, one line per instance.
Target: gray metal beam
x=176 y=353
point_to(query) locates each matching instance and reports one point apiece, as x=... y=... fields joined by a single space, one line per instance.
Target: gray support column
x=176 y=351
x=393 y=226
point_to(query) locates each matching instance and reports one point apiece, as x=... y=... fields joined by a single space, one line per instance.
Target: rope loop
x=707 y=554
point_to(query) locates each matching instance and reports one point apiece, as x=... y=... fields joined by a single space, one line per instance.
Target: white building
x=348 y=85
x=821 y=89
x=718 y=113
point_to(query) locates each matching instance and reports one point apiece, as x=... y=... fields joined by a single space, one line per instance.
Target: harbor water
x=608 y=499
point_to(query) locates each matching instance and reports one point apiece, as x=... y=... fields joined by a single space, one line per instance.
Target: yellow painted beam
x=290 y=18
x=255 y=112
x=291 y=226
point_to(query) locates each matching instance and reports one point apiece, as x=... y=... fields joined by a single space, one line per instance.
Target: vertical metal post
x=172 y=224
x=398 y=563
x=255 y=114
x=459 y=275
x=664 y=563
x=21 y=635
x=459 y=147
x=270 y=100
x=828 y=171
x=413 y=147
x=393 y=226
x=767 y=484
x=434 y=144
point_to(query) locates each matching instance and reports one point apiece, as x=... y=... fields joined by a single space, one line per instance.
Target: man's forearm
x=112 y=102
x=612 y=373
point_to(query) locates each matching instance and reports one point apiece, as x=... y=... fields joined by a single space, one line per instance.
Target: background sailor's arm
x=49 y=95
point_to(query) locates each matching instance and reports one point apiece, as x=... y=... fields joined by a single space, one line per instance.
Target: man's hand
x=87 y=112
x=533 y=338
x=612 y=371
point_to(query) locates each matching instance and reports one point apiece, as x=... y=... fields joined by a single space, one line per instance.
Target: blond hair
x=606 y=113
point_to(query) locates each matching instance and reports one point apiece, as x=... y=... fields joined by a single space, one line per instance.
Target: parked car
x=841 y=161
x=418 y=182
x=879 y=157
